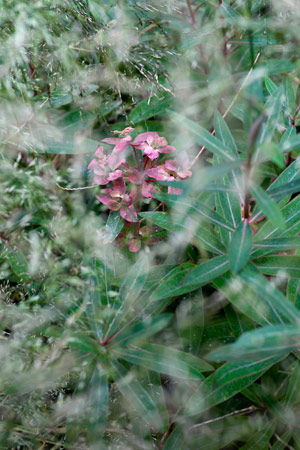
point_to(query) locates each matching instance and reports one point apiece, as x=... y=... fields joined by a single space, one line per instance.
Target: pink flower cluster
x=134 y=182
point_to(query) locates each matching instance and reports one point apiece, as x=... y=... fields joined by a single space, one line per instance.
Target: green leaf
x=204 y=137
x=281 y=265
x=141 y=330
x=191 y=279
x=134 y=282
x=223 y=133
x=195 y=208
x=94 y=308
x=281 y=309
x=284 y=190
x=130 y=292
x=273 y=108
x=282 y=441
x=226 y=382
x=292 y=396
x=114 y=225
x=261 y=439
x=291 y=215
x=16 y=260
x=230 y=14
x=259 y=343
x=270 y=85
x=268 y=206
x=150 y=107
x=166 y=360
x=175 y=440
x=250 y=304
x=83 y=344
x=190 y=322
x=240 y=246
x=97 y=405
x=137 y=398
x=291 y=144
x=276 y=245
x=176 y=224
x=293 y=292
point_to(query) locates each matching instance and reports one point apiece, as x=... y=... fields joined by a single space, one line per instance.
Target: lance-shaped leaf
x=260 y=343
x=281 y=265
x=261 y=439
x=227 y=381
x=281 y=309
x=291 y=215
x=141 y=330
x=293 y=291
x=223 y=133
x=204 y=137
x=292 y=396
x=191 y=279
x=195 y=209
x=130 y=291
x=97 y=405
x=150 y=107
x=240 y=246
x=114 y=225
x=138 y=399
x=282 y=191
x=162 y=359
x=175 y=224
x=268 y=206
x=276 y=245
x=270 y=85
x=291 y=144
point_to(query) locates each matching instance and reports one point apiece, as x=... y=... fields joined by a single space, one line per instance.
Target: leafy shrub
x=191 y=342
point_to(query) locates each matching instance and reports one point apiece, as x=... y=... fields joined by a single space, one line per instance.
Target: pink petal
x=92 y=164
x=134 y=176
x=175 y=191
x=148 y=190
x=159 y=174
x=171 y=164
x=122 y=144
x=109 y=202
x=141 y=138
x=100 y=180
x=119 y=185
x=129 y=213
x=151 y=152
x=115 y=175
x=167 y=149
x=99 y=152
x=184 y=173
x=116 y=159
x=134 y=245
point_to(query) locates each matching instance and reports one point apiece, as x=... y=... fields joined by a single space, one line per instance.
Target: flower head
x=152 y=144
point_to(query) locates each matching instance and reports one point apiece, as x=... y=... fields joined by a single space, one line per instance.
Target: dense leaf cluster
x=194 y=341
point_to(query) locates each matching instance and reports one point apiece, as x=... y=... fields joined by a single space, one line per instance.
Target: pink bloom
x=148 y=189
x=99 y=165
x=118 y=155
x=152 y=144
x=117 y=199
x=159 y=174
x=179 y=168
x=141 y=138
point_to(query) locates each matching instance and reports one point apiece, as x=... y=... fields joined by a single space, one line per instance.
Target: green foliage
x=192 y=342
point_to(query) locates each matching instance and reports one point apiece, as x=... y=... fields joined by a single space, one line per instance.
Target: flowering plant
x=134 y=183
